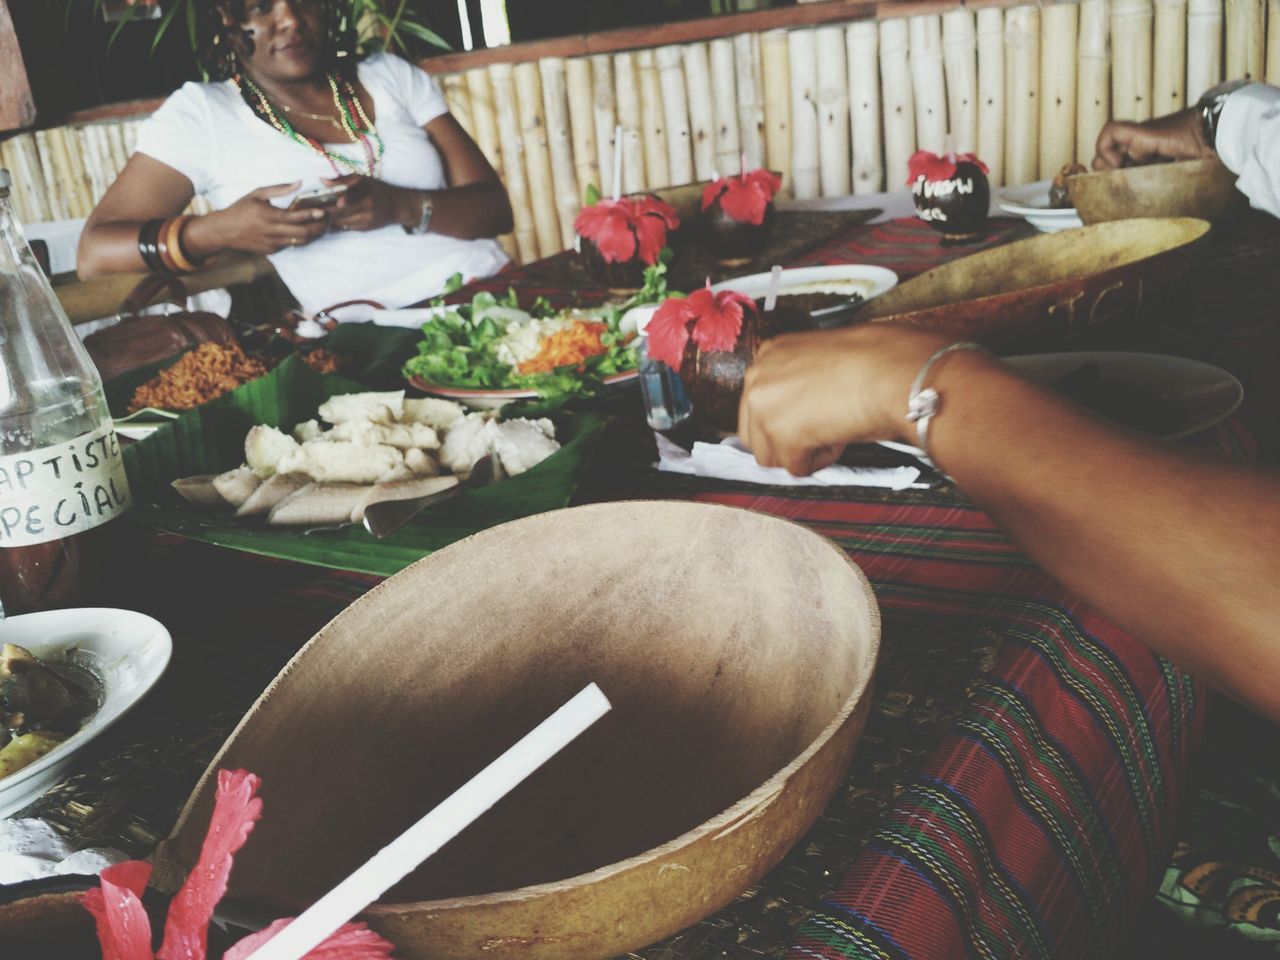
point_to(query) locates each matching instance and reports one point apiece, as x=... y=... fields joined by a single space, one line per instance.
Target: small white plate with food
x=816 y=288
x=65 y=677
x=1031 y=202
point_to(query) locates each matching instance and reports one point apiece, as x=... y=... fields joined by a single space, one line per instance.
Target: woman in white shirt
x=296 y=109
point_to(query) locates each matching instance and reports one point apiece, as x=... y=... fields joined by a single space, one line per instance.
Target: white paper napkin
x=730 y=460
x=31 y=849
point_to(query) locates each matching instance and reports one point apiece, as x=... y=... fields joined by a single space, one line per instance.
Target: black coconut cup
x=626 y=275
x=956 y=207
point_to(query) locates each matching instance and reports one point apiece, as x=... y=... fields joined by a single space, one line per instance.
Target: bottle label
x=62 y=490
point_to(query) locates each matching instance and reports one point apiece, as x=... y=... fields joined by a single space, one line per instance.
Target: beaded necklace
x=349 y=109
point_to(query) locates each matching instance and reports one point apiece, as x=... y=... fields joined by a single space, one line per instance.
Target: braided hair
x=219 y=59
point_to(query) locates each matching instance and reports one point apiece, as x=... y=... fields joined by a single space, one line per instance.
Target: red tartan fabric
x=1039 y=826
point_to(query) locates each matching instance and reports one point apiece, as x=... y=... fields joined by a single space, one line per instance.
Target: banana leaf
x=211 y=439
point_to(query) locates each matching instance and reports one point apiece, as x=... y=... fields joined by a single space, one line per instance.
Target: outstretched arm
x=1180 y=550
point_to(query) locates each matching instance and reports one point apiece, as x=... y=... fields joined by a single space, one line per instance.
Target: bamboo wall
x=837 y=107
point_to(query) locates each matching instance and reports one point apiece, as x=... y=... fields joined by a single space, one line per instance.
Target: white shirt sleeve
x=180 y=134
x=1248 y=141
x=416 y=90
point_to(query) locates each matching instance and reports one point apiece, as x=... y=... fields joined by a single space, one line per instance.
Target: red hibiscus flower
x=627 y=227
x=712 y=320
x=124 y=930
x=744 y=198
x=935 y=168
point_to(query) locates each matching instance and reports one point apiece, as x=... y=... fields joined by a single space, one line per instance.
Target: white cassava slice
x=378 y=407
x=308 y=430
x=272 y=491
x=317 y=504
x=338 y=461
x=421 y=463
x=264 y=447
x=437 y=414
x=401 y=490
x=467 y=441
x=521 y=444
x=199 y=490
x=403 y=436
x=234 y=486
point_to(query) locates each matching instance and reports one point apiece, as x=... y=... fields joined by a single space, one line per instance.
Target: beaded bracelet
x=148 y=245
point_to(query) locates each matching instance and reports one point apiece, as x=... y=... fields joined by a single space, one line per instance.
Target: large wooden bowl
x=1188 y=188
x=736 y=648
x=1095 y=286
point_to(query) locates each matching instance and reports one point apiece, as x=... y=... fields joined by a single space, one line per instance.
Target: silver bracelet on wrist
x=923 y=402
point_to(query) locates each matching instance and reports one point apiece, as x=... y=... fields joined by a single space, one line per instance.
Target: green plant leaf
x=425 y=34
x=164 y=23
x=592 y=195
x=211 y=439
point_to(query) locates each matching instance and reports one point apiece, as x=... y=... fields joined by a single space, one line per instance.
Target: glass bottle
x=62 y=477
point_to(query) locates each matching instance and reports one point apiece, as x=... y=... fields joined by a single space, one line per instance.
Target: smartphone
x=319 y=197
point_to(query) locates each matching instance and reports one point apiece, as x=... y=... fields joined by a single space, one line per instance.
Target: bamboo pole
x=834 y=168
x=1093 y=83
x=537 y=156
x=1131 y=72
x=1273 y=42
x=657 y=164
x=485 y=118
x=899 y=105
x=119 y=151
x=582 y=123
x=675 y=112
x=95 y=162
x=457 y=98
x=1204 y=46
x=1059 y=27
x=804 y=114
x=502 y=82
x=746 y=60
x=775 y=78
x=959 y=61
x=725 y=95
x=56 y=196
x=627 y=90
x=991 y=92
x=603 y=108
x=862 y=41
x=1022 y=39
x=1246 y=32
x=925 y=34
x=1169 y=79
x=555 y=103
x=702 y=117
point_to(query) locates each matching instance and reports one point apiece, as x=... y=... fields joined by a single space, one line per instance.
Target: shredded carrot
x=572 y=345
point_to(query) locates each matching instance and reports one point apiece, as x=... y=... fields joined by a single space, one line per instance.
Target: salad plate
x=492 y=350
x=481 y=399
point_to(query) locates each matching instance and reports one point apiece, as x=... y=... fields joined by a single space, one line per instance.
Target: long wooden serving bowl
x=1095 y=286
x=737 y=650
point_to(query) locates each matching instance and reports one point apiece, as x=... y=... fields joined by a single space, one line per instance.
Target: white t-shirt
x=207 y=132
x=1248 y=142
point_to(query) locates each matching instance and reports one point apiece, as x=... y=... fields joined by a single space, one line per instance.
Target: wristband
x=148 y=248
x=922 y=402
x=424 y=222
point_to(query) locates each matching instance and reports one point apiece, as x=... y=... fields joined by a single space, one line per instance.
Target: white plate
x=1032 y=203
x=846 y=278
x=478 y=398
x=126 y=651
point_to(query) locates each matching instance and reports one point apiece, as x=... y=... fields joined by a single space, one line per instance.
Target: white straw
x=393 y=862
x=617 y=161
x=775 y=281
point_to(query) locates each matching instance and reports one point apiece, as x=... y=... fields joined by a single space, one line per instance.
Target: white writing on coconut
x=57 y=491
